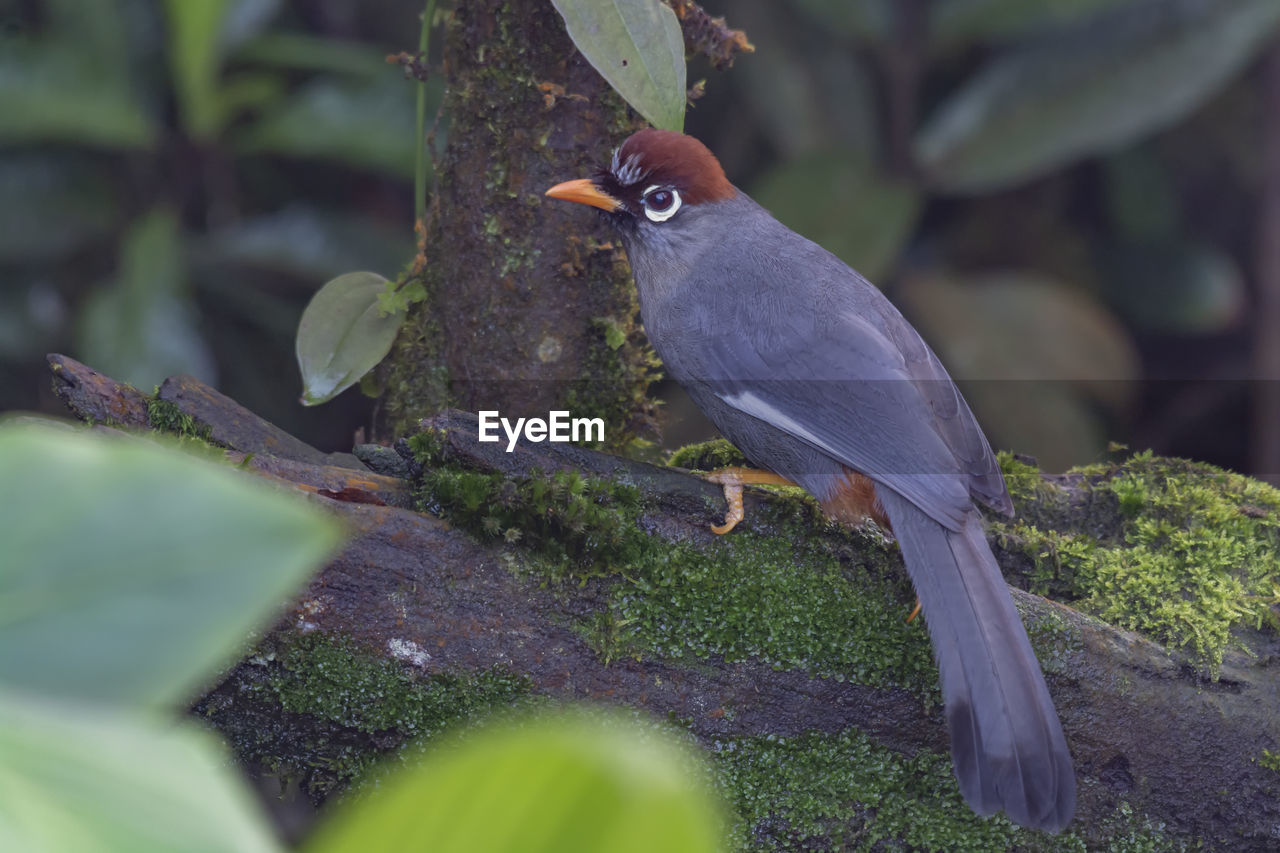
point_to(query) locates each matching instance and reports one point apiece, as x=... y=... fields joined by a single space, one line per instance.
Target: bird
x=811 y=372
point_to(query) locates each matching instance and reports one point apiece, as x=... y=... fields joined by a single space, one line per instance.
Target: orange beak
x=584 y=191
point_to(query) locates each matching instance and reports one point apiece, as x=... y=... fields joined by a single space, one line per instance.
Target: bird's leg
x=915 y=611
x=733 y=479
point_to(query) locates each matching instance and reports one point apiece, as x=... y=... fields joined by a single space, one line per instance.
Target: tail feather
x=1007 y=744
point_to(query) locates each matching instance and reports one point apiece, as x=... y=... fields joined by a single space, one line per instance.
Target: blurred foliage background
x=1065 y=196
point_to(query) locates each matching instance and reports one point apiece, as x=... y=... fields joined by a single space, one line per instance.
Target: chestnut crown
x=656 y=171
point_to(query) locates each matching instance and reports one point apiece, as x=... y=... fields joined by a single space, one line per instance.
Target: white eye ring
x=666 y=213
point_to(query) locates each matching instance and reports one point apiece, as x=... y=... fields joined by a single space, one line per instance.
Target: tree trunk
x=565 y=573
x=529 y=303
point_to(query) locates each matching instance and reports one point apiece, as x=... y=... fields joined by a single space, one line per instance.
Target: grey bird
x=814 y=375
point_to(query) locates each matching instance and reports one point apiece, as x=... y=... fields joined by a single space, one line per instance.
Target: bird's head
x=654 y=181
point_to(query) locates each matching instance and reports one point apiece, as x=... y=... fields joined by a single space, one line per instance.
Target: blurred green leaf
x=195 y=61
x=966 y=20
x=95 y=30
x=572 y=783
x=343 y=335
x=308 y=243
x=637 y=47
x=93 y=780
x=866 y=19
x=51 y=206
x=1176 y=287
x=361 y=124
x=302 y=52
x=51 y=92
x=844 y=206
x=143 y=327
x=132 y=572
x=1048 y=103
x=1033 y=357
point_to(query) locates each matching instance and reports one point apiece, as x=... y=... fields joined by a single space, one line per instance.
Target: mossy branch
x=476 y=578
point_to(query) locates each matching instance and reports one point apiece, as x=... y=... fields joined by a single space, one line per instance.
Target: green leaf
x=143 y=327
x=1038 y=107
x=50 y=92
x=1032 y=356
x=365 y=124
x=195 y=60
x=573 y=783
x=343 y=335
x=93 y=780
x=133 y=572
x=844 y=206
x=637 y=47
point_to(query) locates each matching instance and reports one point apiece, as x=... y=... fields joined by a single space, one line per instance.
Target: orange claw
x=733 y=479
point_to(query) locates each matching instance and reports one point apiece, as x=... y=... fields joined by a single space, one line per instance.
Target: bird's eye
x=660 y=204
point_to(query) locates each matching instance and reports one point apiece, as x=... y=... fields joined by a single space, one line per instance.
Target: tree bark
x=1145 y=727
x=529 y=305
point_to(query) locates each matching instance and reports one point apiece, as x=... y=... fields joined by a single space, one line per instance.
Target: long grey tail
x=1006 y=741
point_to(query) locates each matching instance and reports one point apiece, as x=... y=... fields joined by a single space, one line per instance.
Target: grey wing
x=953 y=419
x=849 y=400
x=864 y=389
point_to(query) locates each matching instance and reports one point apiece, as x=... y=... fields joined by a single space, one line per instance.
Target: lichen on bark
x=529 y=305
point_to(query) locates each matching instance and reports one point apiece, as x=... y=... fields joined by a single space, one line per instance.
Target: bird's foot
x=732 y=480
x=915 y=611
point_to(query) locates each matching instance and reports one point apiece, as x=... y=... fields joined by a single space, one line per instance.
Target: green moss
x=1024 y=480
x=354 y=706
x=707 y=456
x=334 y=679
x=428 y=447
x=573 y=524
x=844 y=791
x=1269 y=760
x=813 y=596
x=620 y=366
x=1180 y=551
x=165 y=416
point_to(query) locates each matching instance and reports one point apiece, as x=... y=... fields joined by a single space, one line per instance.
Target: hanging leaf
x=571 y=783
x=343 y=335
x=1035 y=108
x=637 y=47
x=133 y=572
x=94 y=780
x=844 y=206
